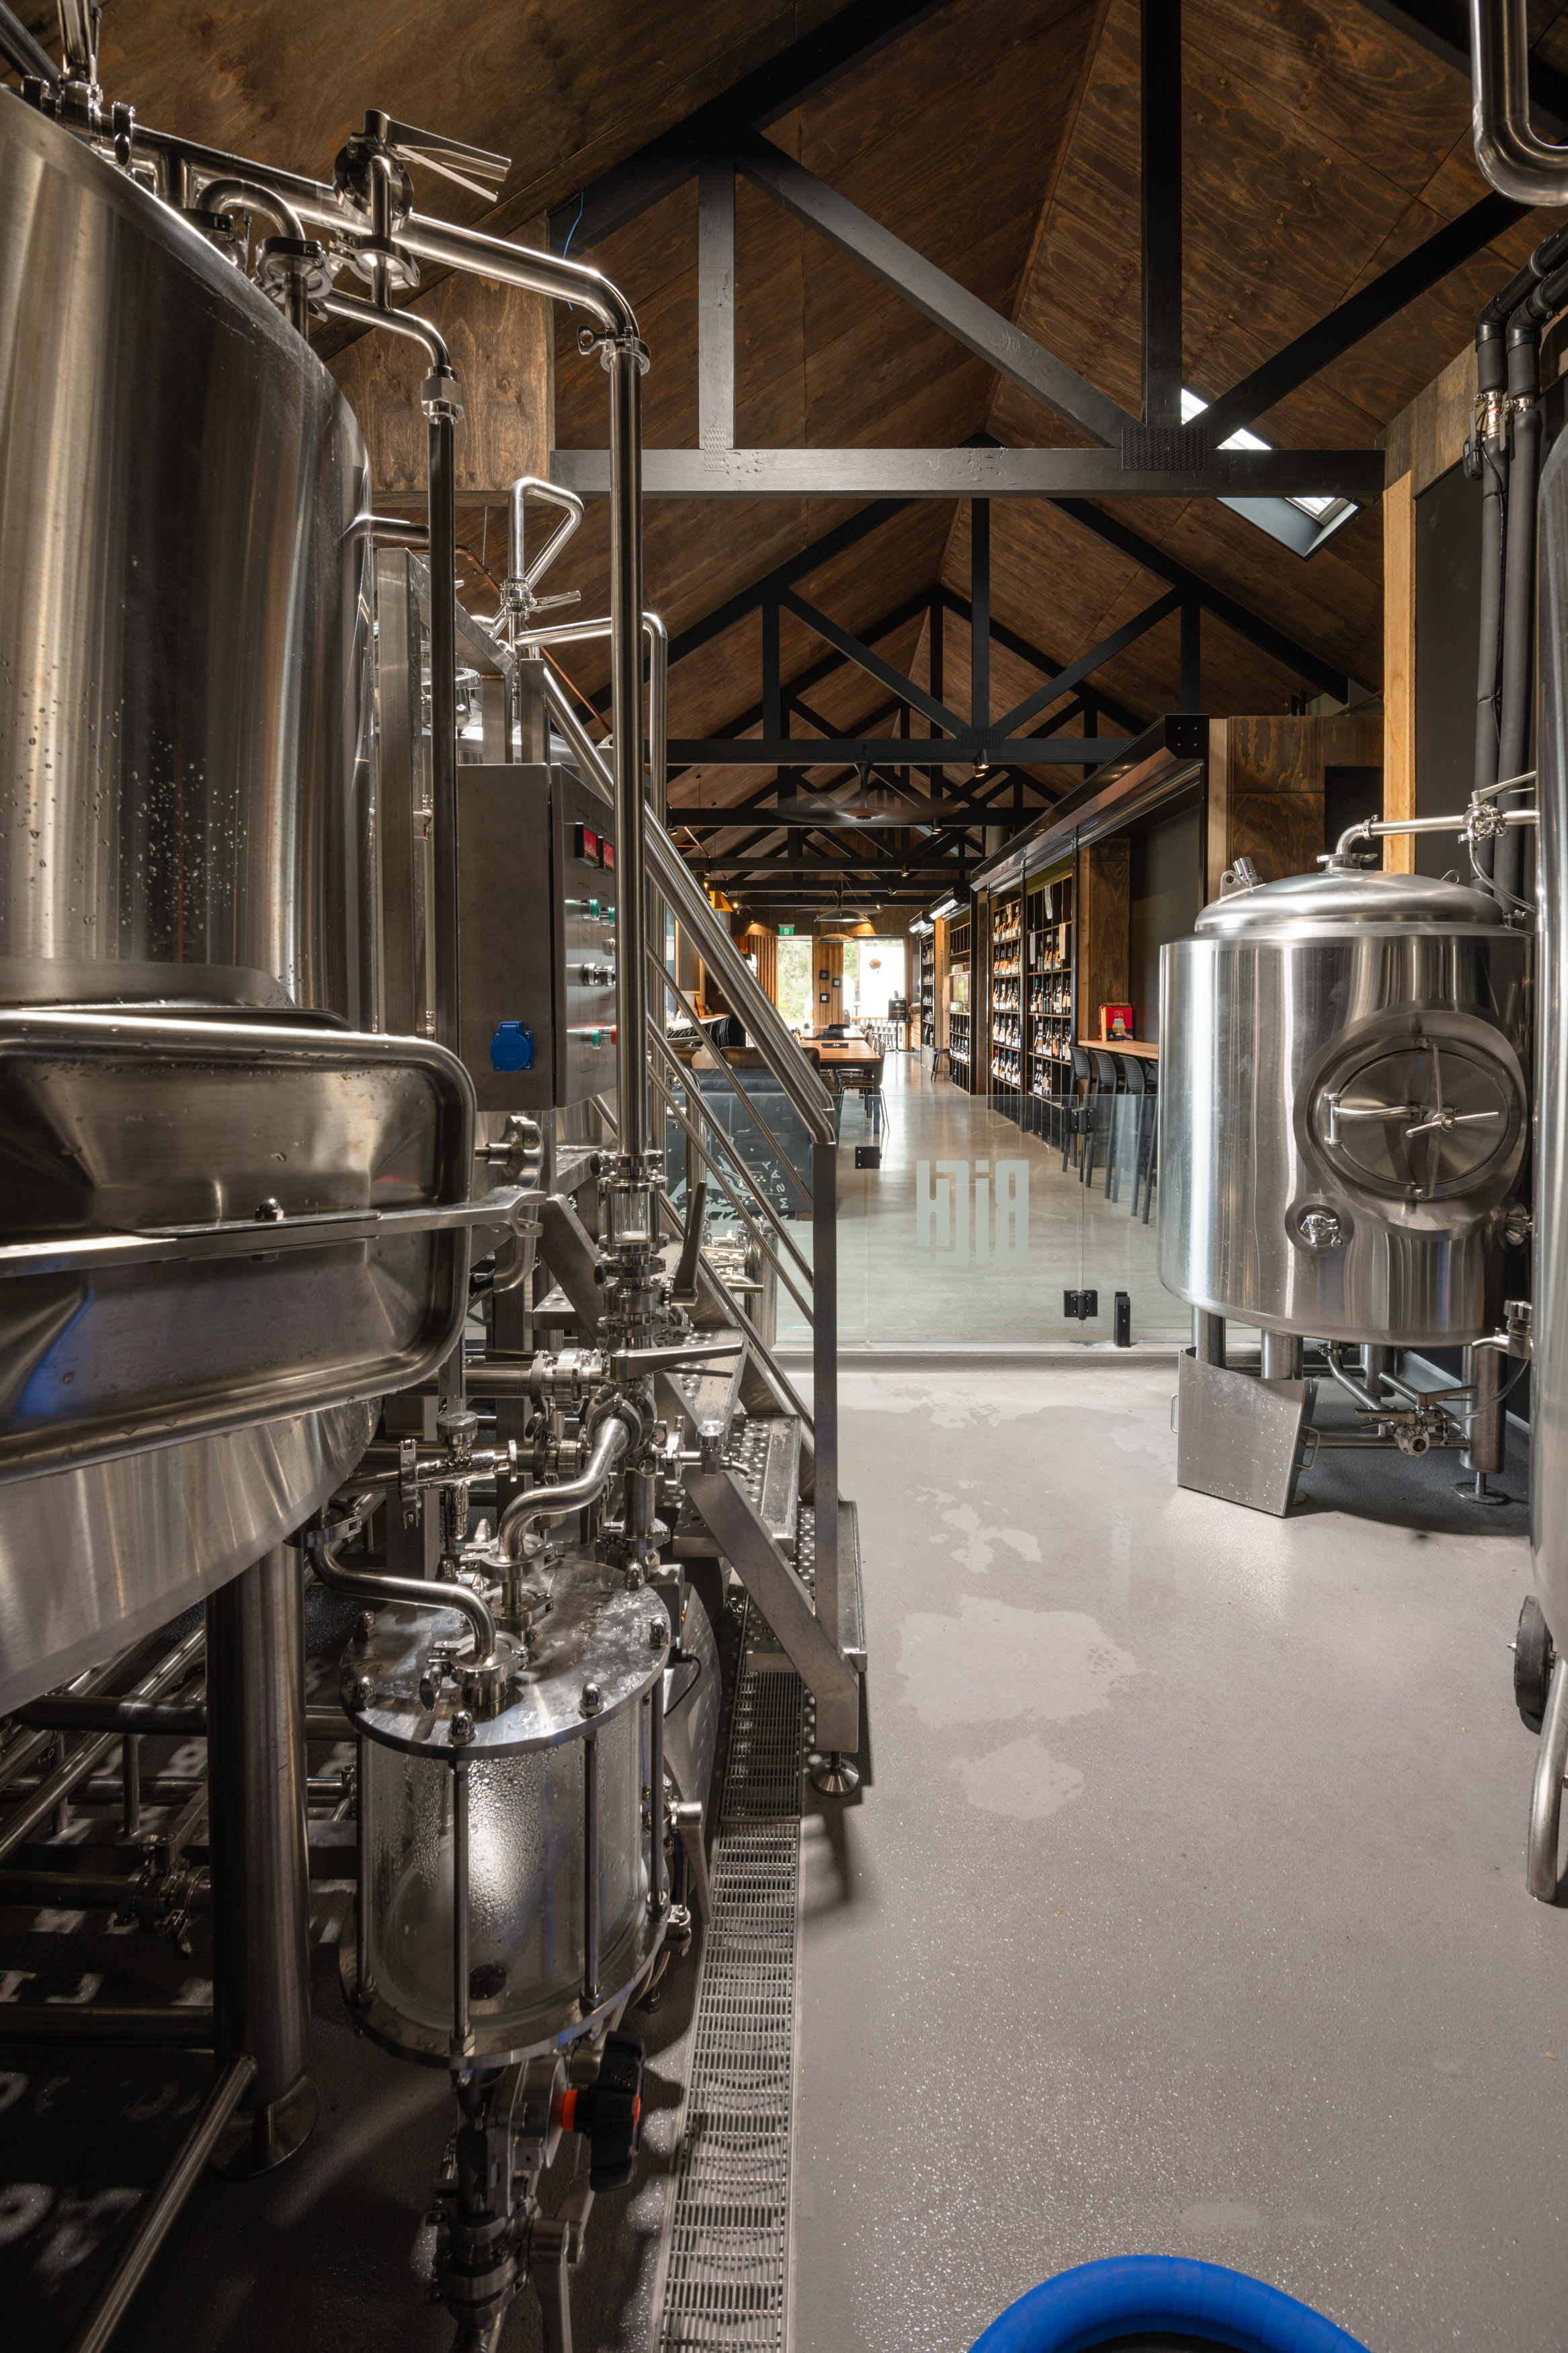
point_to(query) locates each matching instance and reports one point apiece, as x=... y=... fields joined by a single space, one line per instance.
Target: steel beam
x=980 y=616
x=894 y=870
x=1105 y=650
x=716 y=306
x=848 y=39
x=967 y=472
x=810 y=752
x=854 y=651
x=1260 y=633
x=835 y=817
x=1192 y=654
x=1160 y=83
x=986 y=332
x=950 y=601
x=1386 y=296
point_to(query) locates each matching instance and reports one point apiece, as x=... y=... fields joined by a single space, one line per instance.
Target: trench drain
x=726 y=2279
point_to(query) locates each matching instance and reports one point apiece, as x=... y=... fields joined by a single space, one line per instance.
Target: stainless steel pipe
x=38 y=1808
x=540 y=1505
x=624 y=358
x=374 y=1586
x=1513 y=156
x=261 y=1861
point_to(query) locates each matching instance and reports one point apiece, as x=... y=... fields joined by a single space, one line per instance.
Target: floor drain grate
x=726 y=2280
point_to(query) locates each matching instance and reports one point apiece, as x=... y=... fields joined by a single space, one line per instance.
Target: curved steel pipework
x=220 y=195
x=569 y=633
x=1363 y=1394
x=541 y=1504
x=23 y=51
x=407 y=323
x=1513 y=156
x=372 y=1586
x=470 y=250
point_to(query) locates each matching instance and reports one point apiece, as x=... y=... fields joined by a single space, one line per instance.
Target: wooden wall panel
x=1266 y=786
x=826 y=956
x=502 y=346
x=1282 y=833
x=1104 y=921
x=1429 y=435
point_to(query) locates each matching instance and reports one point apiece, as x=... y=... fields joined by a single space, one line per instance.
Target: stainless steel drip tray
x=204 y=1225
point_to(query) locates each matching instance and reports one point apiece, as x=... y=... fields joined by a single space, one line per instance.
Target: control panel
x=536 y=872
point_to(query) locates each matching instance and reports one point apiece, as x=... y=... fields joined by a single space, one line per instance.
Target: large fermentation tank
x=182 y=555
x=1344 y=1107
x=180 y=599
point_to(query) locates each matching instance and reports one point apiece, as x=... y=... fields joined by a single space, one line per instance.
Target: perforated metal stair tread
x=726 y=2270
x=780 y=1496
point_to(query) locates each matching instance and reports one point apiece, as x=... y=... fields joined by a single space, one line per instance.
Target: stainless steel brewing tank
x=180 y=609
x=1343 y=1106
x=181 y=641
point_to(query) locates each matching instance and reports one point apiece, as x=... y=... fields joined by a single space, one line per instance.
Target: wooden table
x=845 y=1056
x=1138 y=1046
x=846 y=1062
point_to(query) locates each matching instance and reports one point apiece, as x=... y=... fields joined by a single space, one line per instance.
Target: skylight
x=1327 y=513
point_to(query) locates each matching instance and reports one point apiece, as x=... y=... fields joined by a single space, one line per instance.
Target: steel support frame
x=1447 y=248
x=968 y=472
x=967 y=740
x=1159 y=87
x=848 y=41
x=866 y=751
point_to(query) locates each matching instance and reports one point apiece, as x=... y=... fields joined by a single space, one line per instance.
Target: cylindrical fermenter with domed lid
x=1345 y=1107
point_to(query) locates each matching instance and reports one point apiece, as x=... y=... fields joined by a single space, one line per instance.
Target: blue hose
x=1137 y=2296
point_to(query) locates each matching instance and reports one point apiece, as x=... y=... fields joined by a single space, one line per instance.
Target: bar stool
x=1131 y=1071
x=1104 y=1068
x=1078 y=1096
x=1149 y=1139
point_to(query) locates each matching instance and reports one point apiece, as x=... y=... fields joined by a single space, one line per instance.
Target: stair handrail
x=784 y=1388
x=709 y=1155
x=764 y=1021
x=742 y=1095
x=669 y=873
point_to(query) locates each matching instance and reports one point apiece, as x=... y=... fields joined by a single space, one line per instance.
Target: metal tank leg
x=260 y=1865
x=1208 y=1337
x=1483 y=1371
x=1281 y=1356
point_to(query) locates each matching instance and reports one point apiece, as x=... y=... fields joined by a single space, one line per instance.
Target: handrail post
x=824 y=1375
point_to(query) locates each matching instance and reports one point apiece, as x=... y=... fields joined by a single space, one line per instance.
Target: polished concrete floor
x=1182 y=1911
x=970 y=1230
x=1185 y=1911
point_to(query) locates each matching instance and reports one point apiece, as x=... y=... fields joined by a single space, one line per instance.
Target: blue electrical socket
x=511 y=1047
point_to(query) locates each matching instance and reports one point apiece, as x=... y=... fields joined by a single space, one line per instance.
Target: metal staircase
x=764 y=1496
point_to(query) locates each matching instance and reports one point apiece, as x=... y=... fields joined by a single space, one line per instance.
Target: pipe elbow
x=1519 y=165
x=541 y=1504
x=1512 y=158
